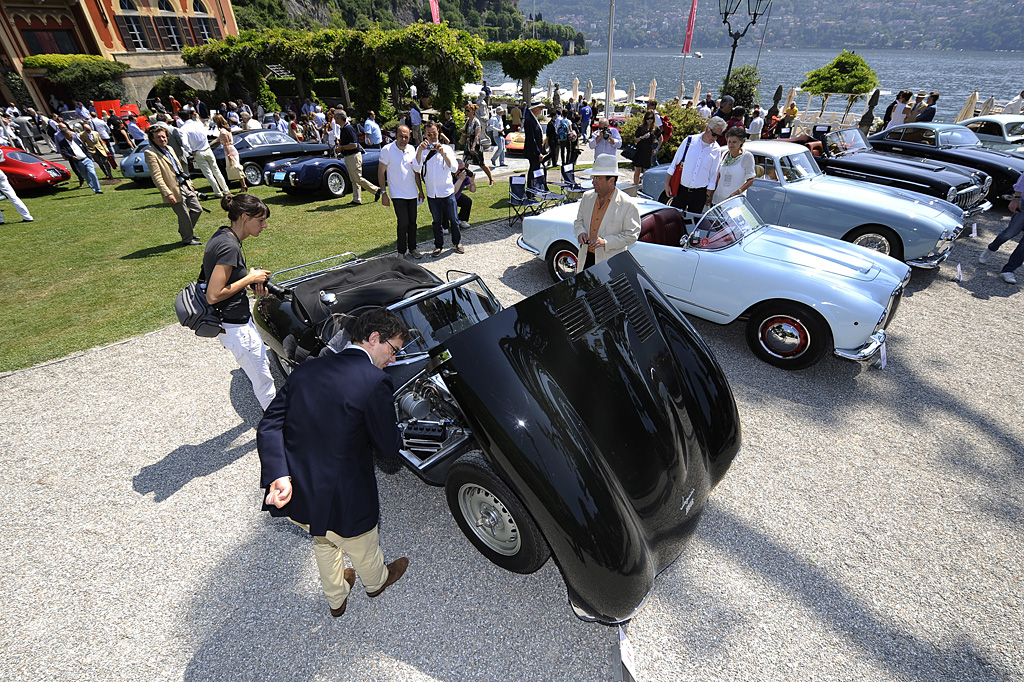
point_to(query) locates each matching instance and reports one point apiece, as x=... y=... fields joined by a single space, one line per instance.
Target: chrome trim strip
x=865 y=352
x=523 y=245
x=929 y=262
x=980 y=208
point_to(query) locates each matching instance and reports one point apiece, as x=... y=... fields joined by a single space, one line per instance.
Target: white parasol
x=696 y=94
x=680 y=94
x=790 y=98
x=968 y=110
x=986 y=107
x=589 y=94
x=575 y=88
x=652 y=93
x=631 y=97
x=551 y=88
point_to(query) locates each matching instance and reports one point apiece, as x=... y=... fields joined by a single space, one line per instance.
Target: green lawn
x=95 y=269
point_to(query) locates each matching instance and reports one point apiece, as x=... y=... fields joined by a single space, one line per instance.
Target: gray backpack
x=195 y=312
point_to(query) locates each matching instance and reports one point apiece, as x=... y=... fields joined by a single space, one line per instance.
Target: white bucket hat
x=604 y=164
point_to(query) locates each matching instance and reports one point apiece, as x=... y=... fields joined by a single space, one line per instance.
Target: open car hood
x=609 y=416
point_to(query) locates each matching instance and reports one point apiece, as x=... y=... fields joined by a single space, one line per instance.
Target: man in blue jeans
x=71 y=147
x=435 y=162
x=1015 y=227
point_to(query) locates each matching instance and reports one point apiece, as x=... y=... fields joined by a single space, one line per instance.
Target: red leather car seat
x=663 y=227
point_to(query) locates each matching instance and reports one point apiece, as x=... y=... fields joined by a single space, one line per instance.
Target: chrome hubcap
x=565 y=264
x=335 y=183
x=784 y=337
x=489 y=519
x=873 y=241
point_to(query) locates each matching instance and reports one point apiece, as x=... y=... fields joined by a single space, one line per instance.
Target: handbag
x=677 y=176
x=195 y=312
x=629 y=151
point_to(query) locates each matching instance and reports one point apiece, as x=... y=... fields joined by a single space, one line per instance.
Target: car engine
x=431 y=423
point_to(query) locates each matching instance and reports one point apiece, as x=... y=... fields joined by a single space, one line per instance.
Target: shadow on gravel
x=905 y=655
x=188 y=462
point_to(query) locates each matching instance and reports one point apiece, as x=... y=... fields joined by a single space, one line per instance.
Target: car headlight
x=988 y=184
x=951 y=195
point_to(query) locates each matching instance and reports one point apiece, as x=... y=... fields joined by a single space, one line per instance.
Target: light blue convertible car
x=791 y=190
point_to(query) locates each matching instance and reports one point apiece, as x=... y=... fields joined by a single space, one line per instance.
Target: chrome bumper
x=929 y=262
x=980 y=208
x=523 y=245
x=865 y=352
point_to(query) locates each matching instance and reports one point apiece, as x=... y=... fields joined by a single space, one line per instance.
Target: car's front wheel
x=877 y=238
x=253 y=173
x=492 y=517
x=335 y=183
x=787 y=334
x=562 y=258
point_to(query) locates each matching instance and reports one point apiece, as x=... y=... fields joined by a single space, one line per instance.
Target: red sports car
x=28 y=171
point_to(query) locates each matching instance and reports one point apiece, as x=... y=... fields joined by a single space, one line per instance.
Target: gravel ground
x=870 y=528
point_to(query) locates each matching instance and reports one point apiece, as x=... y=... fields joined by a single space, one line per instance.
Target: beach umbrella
x=652 y=93
x=575 y=88
x=551 y=88
x=680 y=91
x=986 y=108
x=631 y=97
x=589 y=94
x=968 y=110
x=790 y=98
x=696 y=94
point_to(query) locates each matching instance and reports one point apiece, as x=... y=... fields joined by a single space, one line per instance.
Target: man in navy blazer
x=533 y=146
x=316 y=443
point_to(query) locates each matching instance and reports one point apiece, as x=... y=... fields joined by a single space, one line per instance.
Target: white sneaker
x=985 y=255
x=463 y=225
x=1008 y=277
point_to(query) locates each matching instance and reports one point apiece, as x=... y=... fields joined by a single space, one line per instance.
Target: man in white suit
x=608 y=219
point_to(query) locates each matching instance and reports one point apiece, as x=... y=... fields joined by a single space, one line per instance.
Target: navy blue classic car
x=312 y=174
x=847 y=154
x=953 y=144
x=256 y=148
x=589 y=422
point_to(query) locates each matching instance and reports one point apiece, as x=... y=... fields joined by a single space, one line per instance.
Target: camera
x=430 y=145
x=605 y=134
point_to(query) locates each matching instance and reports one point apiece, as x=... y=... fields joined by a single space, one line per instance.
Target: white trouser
x=245 y=343
x=207 y=163
x=8 y=191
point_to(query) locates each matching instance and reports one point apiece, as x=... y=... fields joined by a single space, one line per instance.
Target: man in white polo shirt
x=699 y=155
x=193 y=134
x=400 y=183
x=435 y=163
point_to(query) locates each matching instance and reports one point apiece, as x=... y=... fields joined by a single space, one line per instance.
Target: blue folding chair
x=538 y=190
x=520 y=202
x=572 y=188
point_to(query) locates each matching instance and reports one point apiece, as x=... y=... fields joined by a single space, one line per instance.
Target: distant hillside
x=943 y=24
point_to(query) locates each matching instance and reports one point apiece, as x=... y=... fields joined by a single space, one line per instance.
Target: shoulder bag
x=194 y=311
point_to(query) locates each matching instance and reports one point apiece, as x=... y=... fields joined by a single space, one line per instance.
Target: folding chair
x=572 y=188
x=520 y=203
x=538 y=191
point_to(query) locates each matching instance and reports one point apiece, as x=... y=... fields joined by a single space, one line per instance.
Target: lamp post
x=755 y=9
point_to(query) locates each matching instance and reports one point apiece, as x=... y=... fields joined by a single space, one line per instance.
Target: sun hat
x=604 y=164
x=921 y=94
x=536 y=103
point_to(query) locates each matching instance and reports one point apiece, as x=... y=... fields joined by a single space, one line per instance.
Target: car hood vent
x=601 y=305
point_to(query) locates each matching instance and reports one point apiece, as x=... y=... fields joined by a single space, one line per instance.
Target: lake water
x=954 y=74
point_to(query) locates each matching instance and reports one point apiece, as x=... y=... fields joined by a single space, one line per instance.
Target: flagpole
x=609 y=95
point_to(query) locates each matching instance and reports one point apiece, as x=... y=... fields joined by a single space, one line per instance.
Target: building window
x=199 y=8
x=204 y=30
x=50 y=42
x=171 y=33
x=128 y=6
x=165 y=6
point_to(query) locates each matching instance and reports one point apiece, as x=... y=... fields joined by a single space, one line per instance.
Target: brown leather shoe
x=350 y=578
x=396 y=569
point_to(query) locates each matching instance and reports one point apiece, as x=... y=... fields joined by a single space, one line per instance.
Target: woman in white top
x=899 y=112
x=736 y=172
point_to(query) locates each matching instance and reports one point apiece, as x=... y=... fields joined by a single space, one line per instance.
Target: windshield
x=958 y=138
x=798 y=166
x=841 y=141
x=434 y=319
x=1014 y=130
x=724 y=225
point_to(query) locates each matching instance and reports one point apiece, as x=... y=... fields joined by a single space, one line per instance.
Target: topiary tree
x=83 y=76
x=848 y=74
x=522 y=59
x=743 y=84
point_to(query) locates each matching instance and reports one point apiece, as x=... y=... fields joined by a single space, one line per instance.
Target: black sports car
x=953 y=144
x=316 y=173
x=847 y=154
x=258 y=147
x=589 y=421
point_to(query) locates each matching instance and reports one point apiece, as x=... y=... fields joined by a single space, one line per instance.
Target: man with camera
x=607 y=139
x=435 y=162
x=170 y=175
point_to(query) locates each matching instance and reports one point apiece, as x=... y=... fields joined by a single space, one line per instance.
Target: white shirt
x=253 y=124
x=756 y=126
x=603 y=146
x=281 y=125
x=494 y=124
x=101 y=127
x=372 y=131
x=415 y=117
x=401 y=173
x=437 y=179
x=700 y=169
x=704 y=110
x=193 y=136
x=1014 y=106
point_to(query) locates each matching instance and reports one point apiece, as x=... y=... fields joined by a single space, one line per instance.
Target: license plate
x=279 y=175
x=54 y=173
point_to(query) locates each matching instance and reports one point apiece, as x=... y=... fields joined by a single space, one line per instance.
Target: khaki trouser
x=365 y=553
x=188 y=211
x=206 y=162
x=354 y=163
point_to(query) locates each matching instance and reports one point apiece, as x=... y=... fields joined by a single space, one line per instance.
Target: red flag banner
x=435 y=12
x=689 y=28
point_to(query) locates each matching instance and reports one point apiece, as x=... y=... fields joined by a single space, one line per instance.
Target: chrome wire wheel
x=490 y=521
x=874 y=241
x=335 y=183
x=253 y=174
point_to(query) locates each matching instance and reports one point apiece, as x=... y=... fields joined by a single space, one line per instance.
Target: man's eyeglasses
x=394 y=351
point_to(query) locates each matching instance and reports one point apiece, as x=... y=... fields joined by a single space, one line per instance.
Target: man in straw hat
x=608 y=219
x=533 y=147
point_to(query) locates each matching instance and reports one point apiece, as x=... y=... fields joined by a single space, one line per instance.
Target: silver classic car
x=791 y=190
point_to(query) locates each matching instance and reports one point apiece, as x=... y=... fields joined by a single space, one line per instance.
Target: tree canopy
x=83 y=76
x=522 y=59
x=848 y=74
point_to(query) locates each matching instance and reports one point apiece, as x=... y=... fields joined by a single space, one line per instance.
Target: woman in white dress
x=736 y=172
x=899 y=112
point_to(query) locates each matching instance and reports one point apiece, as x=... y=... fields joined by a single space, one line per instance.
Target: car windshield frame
x=725 y=225
x=959 y=138
x=435 y=315
x=1014 y=130
x=846 y=141
x=797 y=166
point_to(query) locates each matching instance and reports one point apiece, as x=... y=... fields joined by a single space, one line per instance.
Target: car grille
x=602 y=304
x=968 y=195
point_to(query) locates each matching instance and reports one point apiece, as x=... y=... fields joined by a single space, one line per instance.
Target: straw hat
x=604 y=164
